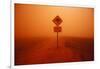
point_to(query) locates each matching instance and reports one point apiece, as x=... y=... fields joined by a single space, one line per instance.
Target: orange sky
x=36 y=21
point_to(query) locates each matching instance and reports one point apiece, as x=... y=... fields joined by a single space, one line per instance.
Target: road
x=45 y=51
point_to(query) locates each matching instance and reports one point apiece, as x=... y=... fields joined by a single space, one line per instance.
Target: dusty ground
x=44 y=50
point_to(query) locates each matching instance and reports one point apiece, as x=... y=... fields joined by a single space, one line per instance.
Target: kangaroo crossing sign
x=57 y=20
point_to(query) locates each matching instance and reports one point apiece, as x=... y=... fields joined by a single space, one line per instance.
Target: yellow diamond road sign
x=57 y=20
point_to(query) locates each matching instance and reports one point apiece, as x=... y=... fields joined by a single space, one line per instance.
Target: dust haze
x=36 y=41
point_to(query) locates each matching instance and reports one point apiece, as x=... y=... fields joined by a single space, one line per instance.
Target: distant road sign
x=57 y=20
x=57 y=29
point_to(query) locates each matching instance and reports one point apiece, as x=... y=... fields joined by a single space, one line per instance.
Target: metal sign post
x=57 y=20
x=57 y=39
